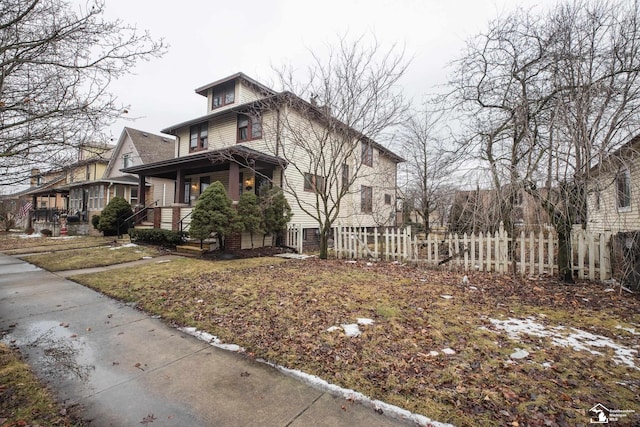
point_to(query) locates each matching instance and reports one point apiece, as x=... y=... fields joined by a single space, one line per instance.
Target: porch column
x=234 y=180
x=141 y=190
x=179 y=193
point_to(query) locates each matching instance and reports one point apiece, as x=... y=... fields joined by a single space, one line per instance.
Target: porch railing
x=136 y=216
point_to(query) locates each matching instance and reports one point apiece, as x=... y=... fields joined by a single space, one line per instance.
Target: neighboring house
x=240 y=142
x=68 y=198
x=479 y=211
x=613 y=203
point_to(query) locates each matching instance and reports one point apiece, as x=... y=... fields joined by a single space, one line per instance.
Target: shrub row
x=157 y=236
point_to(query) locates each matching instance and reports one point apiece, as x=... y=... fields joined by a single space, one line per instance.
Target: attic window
x=222 y=96
x=126 y=160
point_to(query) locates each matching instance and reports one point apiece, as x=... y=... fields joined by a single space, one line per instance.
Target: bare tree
x=429 y=165
x=331 y=143
x=56 y=64
x=548 y=96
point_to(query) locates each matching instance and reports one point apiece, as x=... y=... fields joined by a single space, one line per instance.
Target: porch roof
x=124 y=180
x=207 y=161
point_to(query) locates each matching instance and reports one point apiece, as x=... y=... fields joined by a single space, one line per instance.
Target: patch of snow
x=211 y=339
x=448 y=351
x=369 y=264
x=465 y=280
x=446 y=296
x=162 y=261
x=519 y=354
x=127 y=245
x=65 y=237
x=351 y=262
x=434 y=353
x=351 y=330
x=334 y=328
x=473 y=288
x=567 y=337
x=200 y=301
x=29 y=236
x=364 y=321
x=632 y=331
x=547 y=364
x=609 y=290
x=354 y=396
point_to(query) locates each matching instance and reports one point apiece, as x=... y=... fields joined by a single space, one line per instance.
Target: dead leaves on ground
x=282 y=312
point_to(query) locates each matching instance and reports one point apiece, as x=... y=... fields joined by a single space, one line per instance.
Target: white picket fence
x=294 y=237
x=532 y=254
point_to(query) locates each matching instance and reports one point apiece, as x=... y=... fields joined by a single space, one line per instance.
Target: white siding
x=608 y=217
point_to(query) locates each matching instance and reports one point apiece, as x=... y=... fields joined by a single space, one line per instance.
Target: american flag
x=24 y=210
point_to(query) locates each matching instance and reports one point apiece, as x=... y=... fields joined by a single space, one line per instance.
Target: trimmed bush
x=156 y=236
x=95 y=220
x=113 y=215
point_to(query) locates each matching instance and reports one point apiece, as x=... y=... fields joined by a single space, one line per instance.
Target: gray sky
x=209 y=40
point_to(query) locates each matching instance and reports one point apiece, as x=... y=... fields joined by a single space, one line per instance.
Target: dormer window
x=199 y=137
x=222 y=96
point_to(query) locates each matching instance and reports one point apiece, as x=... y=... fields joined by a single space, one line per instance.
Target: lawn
x=291 y=313
x=17 y=244
x=91 y=257
x=23 y=399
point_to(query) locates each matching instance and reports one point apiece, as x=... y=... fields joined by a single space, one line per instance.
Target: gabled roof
x=203 y=89
x=151 y=147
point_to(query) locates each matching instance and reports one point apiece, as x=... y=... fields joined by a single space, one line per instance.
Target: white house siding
x=162 y=190
x=608 y=217
x=222 y=132
x=246 y=93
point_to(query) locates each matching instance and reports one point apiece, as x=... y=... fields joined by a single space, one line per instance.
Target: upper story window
x=367 y=153
x=623 y=186
x=345 y=176
x=249 y=128
x=313 y=183
x=199 y=137
x=366 y=199
x=222 y=96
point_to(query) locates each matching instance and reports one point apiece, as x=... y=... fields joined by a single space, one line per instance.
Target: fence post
x=540 y=253
x=592 y=257
x=580 y=255
x=299 y=236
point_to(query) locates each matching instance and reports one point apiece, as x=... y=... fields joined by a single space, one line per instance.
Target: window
x=96 y=197
x=313 y=183
x=366 y=199
x=199 y=137
x=387 y=199
x=222 y=96
x=133 y=196
x=345 y=176
x=249 y=128
x=204 y=183
x=126 y=160
x=623 y=185
x=367 y=153
x=187 y=191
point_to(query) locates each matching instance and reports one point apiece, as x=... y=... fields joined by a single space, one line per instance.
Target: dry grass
x=23 y=400
x=90 y=257
x=14 y=244
x=281 y=312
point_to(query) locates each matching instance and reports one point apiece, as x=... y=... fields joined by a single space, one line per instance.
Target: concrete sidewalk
x=118 y=366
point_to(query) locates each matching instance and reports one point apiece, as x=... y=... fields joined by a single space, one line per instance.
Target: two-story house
x=613 y=203
x=242 y=141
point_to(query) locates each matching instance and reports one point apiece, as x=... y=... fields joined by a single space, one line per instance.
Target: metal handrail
x=120 y=221
x=181 y=220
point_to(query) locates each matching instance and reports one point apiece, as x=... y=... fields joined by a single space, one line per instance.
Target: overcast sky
x=209 y=40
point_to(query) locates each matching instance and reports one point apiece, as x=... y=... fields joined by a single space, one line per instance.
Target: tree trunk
x=324 y=242
x=564 y=257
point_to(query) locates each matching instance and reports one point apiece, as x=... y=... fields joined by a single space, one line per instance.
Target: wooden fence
x=532 y=254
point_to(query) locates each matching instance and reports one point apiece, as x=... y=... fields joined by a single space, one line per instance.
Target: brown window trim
x=223 y=102
x=366 y=153
x=311 y=181
x=200 y=146
x=250 y=123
